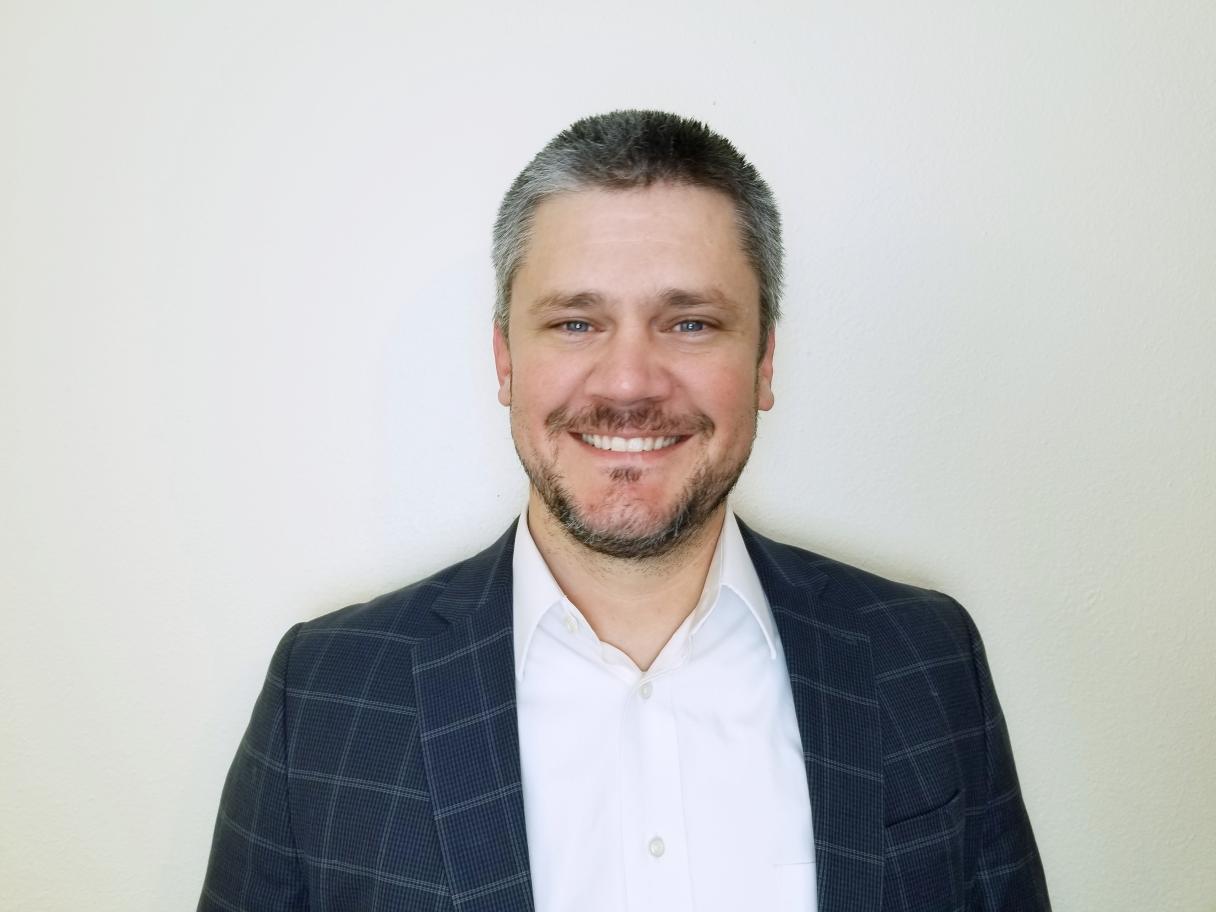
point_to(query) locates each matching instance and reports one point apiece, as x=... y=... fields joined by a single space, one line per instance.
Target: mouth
x=607 y=443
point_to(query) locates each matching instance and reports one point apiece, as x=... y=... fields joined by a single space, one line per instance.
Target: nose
x=630 y=367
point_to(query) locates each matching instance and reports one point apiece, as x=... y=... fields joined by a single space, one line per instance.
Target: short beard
x=702 y=495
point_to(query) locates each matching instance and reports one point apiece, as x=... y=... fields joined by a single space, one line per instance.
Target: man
x=631 y=701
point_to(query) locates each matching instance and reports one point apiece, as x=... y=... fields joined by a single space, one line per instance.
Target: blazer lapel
x=832 y=680
x=465 y=685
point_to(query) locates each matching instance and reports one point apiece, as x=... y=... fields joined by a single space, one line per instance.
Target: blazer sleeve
x=1009 y=874
x=254 y=864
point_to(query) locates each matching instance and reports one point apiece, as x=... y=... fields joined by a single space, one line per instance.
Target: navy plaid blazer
x=380 y=769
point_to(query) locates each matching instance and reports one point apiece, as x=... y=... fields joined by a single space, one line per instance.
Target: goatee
x=635 y=538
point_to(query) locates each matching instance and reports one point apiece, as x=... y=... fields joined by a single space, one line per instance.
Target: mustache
x=650 y=420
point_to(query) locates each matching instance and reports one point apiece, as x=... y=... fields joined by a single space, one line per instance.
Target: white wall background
x=245 y=371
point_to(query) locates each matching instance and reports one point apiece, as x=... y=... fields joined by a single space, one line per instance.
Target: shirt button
x=656 y=847
x=646 y=690
x=570 y=622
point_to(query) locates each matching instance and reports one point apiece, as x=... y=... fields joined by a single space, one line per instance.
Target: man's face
x=632 y=372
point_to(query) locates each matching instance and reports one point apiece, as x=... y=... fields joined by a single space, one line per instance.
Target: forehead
x=644 y=242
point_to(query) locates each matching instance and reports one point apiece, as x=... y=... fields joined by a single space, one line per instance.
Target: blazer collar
x=831 y=672
x=465 y=685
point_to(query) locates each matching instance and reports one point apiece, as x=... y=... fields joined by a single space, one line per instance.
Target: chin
x=627 y=515
x=632 y=517
x=627 y=527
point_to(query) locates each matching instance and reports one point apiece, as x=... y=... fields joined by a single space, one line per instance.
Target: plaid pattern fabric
x=380 y=769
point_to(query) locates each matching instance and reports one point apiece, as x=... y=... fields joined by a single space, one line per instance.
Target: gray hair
x=628 y=149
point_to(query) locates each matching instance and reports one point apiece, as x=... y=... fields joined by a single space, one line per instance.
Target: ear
x=502 y=365
x=764 y=374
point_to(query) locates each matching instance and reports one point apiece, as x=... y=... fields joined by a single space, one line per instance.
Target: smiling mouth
x=628 y=444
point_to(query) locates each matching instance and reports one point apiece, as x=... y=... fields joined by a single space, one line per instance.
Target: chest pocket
x=923 y=867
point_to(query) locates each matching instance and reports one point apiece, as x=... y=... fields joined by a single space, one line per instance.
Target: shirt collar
x=534 y=591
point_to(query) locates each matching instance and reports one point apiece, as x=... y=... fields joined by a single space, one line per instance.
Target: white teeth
x=628 y=444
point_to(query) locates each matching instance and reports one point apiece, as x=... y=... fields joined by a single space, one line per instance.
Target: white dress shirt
x=680 y=788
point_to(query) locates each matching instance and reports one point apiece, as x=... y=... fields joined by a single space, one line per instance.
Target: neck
x=635 y=605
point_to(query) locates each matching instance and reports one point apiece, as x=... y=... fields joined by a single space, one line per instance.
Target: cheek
x=727 y=398
x=536 y=394
x=548 y=383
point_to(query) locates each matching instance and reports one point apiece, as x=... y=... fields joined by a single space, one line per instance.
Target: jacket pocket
x=923 y=860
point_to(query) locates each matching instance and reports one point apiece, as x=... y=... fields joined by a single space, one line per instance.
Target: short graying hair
x=628 y=149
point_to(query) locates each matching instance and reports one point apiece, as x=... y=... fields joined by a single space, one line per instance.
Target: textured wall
x=245 y=371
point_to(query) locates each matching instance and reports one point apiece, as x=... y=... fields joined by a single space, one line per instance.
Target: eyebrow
x=680 y=298
x=712 y=296
x=562 y=301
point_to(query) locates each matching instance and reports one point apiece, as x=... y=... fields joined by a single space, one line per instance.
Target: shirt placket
x=654 y=839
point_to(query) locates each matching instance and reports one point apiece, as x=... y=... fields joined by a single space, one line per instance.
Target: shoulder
x=903 y=622
x=381 y=633
x=920 y=645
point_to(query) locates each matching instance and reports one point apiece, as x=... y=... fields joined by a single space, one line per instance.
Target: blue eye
x=576 y=326
x=690 y=326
